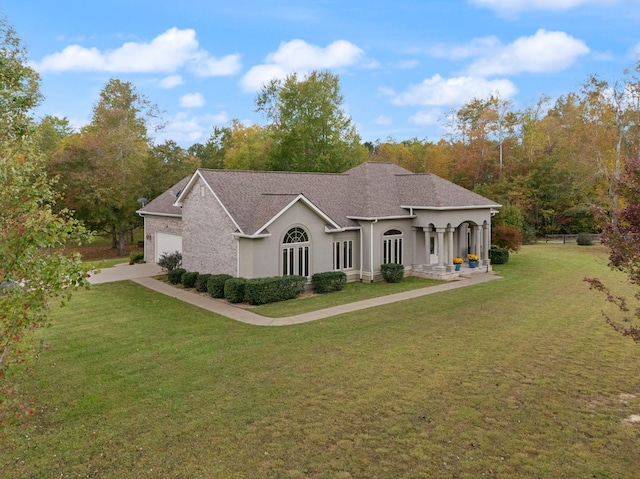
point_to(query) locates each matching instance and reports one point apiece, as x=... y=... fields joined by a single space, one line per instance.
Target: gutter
x=171 y=215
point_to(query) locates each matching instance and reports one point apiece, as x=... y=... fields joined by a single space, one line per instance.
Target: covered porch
x=441 y=244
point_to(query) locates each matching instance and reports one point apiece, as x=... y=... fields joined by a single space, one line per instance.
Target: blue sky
x=403 y=65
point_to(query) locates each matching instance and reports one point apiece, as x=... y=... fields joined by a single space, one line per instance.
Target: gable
x=254 y=199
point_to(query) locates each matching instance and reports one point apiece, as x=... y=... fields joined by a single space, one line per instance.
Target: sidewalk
x=124 y=271
x=225 y=309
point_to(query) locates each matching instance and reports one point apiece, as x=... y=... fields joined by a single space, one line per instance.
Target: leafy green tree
x=50 y=133
x=247 y=147
x=212 y=153
x=309 y=128
x=165 y=165
x=103 y=168
x=34 y=266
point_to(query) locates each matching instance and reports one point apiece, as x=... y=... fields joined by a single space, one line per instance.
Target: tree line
x=549 y=164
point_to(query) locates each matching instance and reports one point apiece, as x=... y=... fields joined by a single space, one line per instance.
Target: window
x=296 y=252
x=392 y=247
x=343 y=254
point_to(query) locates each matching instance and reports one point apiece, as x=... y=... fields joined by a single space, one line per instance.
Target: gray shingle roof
x=163 y=204
x=370 y=190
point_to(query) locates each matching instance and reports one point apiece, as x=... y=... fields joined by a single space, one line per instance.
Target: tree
x=247 y=147
x=50 y=132
x=212 y=153
x=310 y=130
x=165 y=165
x=623 y=240
x=34 y=266
x=104 y=167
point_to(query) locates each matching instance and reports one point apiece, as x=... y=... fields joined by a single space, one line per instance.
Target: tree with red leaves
x=623 y=240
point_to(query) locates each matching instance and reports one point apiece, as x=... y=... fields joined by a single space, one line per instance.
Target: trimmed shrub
x=201 y=283
x=392 y=272
x=136 y=257
x=189 y=279
x=584 y=239
x=170 y=261
x=498 y=255
x=328 y=282
x=234 y=290
x=273 y=289
x=215 y=285
x=175 y=275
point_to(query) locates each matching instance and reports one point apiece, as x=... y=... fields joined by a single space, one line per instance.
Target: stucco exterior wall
x=266 y=253
x=207 y=242
x=158 y=224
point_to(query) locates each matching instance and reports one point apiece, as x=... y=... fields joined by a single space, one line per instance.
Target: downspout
x=371 y=250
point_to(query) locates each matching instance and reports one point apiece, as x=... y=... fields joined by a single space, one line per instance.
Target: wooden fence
x=595 y=238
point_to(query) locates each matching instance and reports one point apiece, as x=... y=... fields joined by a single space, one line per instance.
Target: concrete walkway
x=239 y=314
x=124 y=271
x=143 y=274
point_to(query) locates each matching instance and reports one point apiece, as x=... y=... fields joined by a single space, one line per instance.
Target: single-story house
x=254 y=224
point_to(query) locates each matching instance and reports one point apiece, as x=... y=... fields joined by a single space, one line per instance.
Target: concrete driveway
x=125 y=271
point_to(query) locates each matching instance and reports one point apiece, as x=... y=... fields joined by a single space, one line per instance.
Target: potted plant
x=473 y=260
x=458 y=262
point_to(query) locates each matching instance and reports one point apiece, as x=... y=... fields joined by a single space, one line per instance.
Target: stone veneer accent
x=207 y=242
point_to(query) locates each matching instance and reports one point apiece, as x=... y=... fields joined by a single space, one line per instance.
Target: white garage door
x=166 y=243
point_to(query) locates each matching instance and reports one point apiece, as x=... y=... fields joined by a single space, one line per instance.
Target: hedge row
x=273 y=289
x=236 y=290
x=327 y=282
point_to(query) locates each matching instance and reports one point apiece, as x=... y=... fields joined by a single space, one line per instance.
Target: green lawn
x=516 y=378
x=352 y=292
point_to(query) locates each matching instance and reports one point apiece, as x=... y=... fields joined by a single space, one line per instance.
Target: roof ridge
x=273 y=172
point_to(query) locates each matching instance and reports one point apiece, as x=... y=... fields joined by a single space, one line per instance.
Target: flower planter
x=458 y=267
x=473 y=264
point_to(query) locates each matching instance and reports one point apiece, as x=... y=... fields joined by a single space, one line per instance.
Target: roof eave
x=449 y=208
x=151 y=213
x=254 y=236
x=374 y=218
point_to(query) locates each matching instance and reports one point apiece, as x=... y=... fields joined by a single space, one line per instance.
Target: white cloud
x=209 y=66
x=186 y=130
x=439 y=91
x=426 y=118
x=515 y=6
x=166 y=53
x=171 y=81
x=192 y=100
x=382 y=120
x=542 y=52
x=300 y=57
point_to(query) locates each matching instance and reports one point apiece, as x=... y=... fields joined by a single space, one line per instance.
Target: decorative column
x=487 y=244
x=427 y=246
x=441 y=250
x=413 y=248
x=473 y=238
x=450 y=266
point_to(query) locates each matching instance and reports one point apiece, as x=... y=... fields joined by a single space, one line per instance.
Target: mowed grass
x=352 y=292
x=516 y=378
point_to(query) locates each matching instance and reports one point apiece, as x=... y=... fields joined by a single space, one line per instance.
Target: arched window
x=296 y=251
x=392 y=246
x=296 y=235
